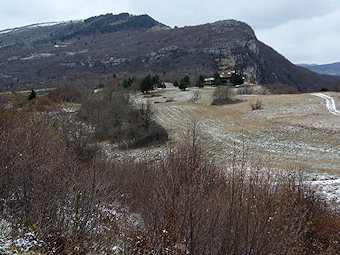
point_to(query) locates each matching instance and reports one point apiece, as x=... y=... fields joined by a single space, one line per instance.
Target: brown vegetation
x=186 y=204
x=335 y=86
x=280 y=88
x=224 y=95
x=115 y=118
x=66 y=93
x=256 y=106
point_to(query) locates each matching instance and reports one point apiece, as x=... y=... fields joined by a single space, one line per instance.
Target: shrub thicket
x=223 y=95
x=69 y=93
x=279 y=88
x=115 y=118
x=188 y=205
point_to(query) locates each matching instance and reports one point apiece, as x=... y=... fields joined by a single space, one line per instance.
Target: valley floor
x=291 y=131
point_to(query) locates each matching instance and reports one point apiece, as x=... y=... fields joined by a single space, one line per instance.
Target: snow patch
x=330 y=104
x=37 y=56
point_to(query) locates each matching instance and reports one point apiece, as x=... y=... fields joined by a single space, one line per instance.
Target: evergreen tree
x=146 y=84
x=236 y=79
x=218 y=82
x=201 y=78
x=199 y=84
x=217 y=78
x=156 y=80
x=184 y=83
x=127 y=83
x=200 y=81
x=161 y=85
x=32 y=95
x=175 y=84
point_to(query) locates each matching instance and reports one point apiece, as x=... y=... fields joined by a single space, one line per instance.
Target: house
x=209 y=81
x=225 y=76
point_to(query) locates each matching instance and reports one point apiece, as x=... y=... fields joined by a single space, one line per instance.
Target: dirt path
x=330 y=104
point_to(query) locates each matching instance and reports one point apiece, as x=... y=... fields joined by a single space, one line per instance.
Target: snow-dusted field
x=299 y=132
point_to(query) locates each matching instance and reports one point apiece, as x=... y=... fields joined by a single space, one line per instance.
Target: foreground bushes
x=180 y=204
x=44 y=186
x=115 y=118
x=190 y=206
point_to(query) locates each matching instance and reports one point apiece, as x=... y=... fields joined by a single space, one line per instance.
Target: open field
x=290 y=132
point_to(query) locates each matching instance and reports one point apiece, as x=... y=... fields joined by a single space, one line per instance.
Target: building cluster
x=224 y=77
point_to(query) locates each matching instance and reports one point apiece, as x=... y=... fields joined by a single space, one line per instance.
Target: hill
x=329 y=69
x=49 y=54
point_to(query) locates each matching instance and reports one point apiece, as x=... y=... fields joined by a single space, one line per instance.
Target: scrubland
x=229 y=180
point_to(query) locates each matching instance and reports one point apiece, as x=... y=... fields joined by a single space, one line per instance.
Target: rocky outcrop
x=135 y=45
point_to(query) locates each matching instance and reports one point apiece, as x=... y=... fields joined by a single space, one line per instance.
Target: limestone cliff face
x=129 y=45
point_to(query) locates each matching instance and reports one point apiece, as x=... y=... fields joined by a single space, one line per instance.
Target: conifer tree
x=32 y=95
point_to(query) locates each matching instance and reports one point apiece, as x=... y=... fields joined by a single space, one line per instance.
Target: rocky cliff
x=46 y=55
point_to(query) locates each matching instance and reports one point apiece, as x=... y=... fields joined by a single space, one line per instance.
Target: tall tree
x=146 y=84
x=184 y=83
x=236 y=79
x=32 y=95
x=217 y=78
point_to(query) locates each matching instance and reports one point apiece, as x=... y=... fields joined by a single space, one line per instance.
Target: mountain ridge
x=129 y=45
x=329 y=69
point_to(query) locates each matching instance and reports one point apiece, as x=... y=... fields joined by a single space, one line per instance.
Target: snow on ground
x=330 y=104
x=291 y=131
x=40 y=55
x=327 y=185
x=60 y=45
x=10 y=244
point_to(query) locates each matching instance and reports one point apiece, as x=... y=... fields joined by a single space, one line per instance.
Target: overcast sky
x=304 y=31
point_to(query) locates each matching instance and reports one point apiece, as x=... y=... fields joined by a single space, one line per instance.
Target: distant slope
x=276 y=68
x=329 y=69
x=92 y=49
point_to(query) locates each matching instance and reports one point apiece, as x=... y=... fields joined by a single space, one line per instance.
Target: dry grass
x=292 y=131
x=291 y=127
x=178 y=204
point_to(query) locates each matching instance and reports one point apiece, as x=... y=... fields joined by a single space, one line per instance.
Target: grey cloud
x=314 y=40
x=260 y=14
x=24 y=12
x=283 y=24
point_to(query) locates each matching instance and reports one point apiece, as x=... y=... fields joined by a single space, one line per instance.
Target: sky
x=304 y=31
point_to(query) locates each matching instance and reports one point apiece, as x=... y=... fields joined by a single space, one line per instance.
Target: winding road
x=330 y=104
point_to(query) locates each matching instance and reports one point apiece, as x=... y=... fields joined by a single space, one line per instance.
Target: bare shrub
x=41 y=104
x=67 y=93
x=223 y=95
x=196 y=95
x=114 y=118
x=44 y=186
x=279 y=88
x=189 y=205
x=252 y=90
x=256 y=106
x=246 y=90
